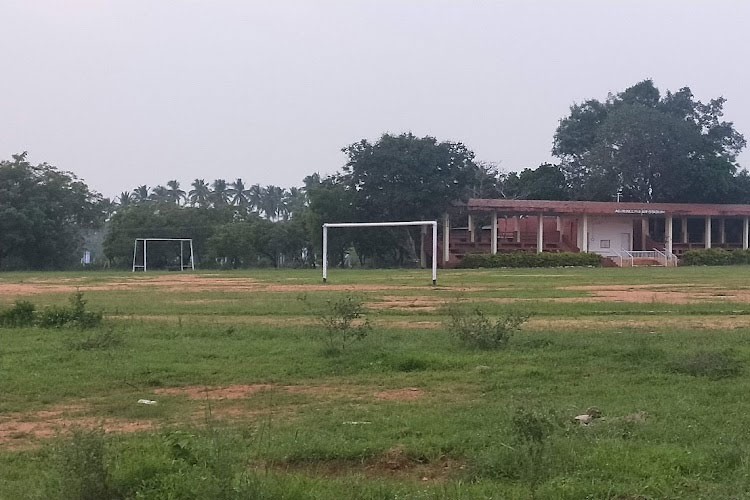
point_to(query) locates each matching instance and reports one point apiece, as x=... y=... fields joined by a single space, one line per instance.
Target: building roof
x=604 y=208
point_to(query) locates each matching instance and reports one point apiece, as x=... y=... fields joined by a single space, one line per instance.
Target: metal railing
x=665 y=258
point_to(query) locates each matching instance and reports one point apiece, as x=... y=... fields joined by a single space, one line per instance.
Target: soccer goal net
x=328 y=225
x=165 y=251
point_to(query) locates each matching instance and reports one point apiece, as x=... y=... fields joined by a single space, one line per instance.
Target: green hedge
x=528 y=259
x=715 y=257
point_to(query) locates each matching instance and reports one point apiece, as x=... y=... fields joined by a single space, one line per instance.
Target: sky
x=124 y=93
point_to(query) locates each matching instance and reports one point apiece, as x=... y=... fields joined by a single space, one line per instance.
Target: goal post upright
x=432 y=223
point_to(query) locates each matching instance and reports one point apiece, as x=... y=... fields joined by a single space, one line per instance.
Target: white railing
x=665 y=258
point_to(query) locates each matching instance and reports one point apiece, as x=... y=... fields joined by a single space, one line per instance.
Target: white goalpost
x=144 y=241
x=381 y=224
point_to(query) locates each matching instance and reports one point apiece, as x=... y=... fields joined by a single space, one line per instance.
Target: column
x=722 y=230
x=668 y=234
x=493 y=238
x=585 y=233
x=745 y=225
x=517 y=228
x=644 y=233
x=471 y=229
x=446 y=238
x=684 y=230
x=540 y=235
x=559 y=228
x=707 y=233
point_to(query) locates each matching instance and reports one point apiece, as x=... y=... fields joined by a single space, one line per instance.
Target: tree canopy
x=42 y=213
x=649 y=147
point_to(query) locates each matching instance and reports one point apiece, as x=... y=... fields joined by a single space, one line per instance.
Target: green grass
x=423 y=405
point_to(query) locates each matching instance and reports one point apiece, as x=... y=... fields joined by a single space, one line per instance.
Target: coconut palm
x=200 y=195
x=273 y=202
x=125 y=198
x=239 y=195
x=255 y=197
x=160 y=194
x=295 y=201
x=219 y=193
x=141 y=194
x=175 y=194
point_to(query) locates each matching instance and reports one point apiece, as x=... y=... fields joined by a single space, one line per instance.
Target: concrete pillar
x=683 y=230
x=559 y=228
x=517 y=229
x=446 y=238
x=585 y=234
x=540 y=235
x=745 y=224
x=707 y=233
x=493 y=238
x=722 y=230
x=471 y=229
x=644 y=233
x=668 y=234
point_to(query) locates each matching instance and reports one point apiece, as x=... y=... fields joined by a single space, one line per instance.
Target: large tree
x=649 y=147
x=42 y=213
x=402 y=177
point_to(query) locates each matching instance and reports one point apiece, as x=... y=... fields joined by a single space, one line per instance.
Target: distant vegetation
x=639 y=144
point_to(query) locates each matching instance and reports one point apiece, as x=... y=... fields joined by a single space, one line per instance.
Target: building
x=623 y=232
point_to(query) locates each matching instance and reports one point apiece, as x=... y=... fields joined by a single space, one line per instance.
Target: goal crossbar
x=432 y=223
x=144 y=241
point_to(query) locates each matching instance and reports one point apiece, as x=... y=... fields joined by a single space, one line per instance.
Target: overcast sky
x=130 y=92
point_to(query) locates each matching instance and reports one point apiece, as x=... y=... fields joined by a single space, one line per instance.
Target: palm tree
x=273 y=202
x=141 y=195
x=255 y=197
x=219 y=192
x=160 y=194
x=239 y=195
x=200 y=195
x=125 y=198
x=176 y=195
x=295 y=201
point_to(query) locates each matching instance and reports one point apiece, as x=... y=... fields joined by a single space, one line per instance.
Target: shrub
x=475 y=329
x=74 y=315
x=528 y=259
x=715 y=365
x=343 y=321
x=82 y=465
x=715 y=257
x=19 y=316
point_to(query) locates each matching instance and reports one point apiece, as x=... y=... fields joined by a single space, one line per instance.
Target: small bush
x=75 y=315
x=529 y=259
x=715 y=365
x=475 y=329
x=19 y=316
x=343 y=321
x=84 y=473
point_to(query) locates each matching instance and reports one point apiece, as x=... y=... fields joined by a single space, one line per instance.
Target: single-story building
x=625 y=232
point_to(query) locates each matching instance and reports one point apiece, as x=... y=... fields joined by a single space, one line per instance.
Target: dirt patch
x=408 y=394
x=658 y=293
x=23 y=430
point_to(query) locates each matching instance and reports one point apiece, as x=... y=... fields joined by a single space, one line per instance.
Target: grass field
x=251 y=404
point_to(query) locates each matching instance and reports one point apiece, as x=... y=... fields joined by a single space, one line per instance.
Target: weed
x=714 y=365
x=19 y=316
x=101 y=340
x=475 y=329
x=343 y=321
x=84 y=472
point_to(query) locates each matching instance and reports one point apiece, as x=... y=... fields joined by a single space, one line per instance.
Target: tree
x=200 y=195
x=174 y=193
x=546 y=182
x=160 y=194
x=125 y=198
x=219 y=193
x=649 y=148
x=141 y=194
x=239 y=195
x=407 y=177
x=42 y=213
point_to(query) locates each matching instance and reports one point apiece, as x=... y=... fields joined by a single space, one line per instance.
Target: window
x=604 y=244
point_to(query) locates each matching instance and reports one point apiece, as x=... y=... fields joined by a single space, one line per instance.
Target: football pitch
x=247 y=385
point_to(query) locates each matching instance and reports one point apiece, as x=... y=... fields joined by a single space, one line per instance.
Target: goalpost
x=144 y=241
x=381 y=224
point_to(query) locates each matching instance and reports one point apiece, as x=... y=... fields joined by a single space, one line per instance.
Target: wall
x=607 y=236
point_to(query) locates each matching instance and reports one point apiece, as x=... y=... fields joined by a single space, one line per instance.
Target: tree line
x=636 y=145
